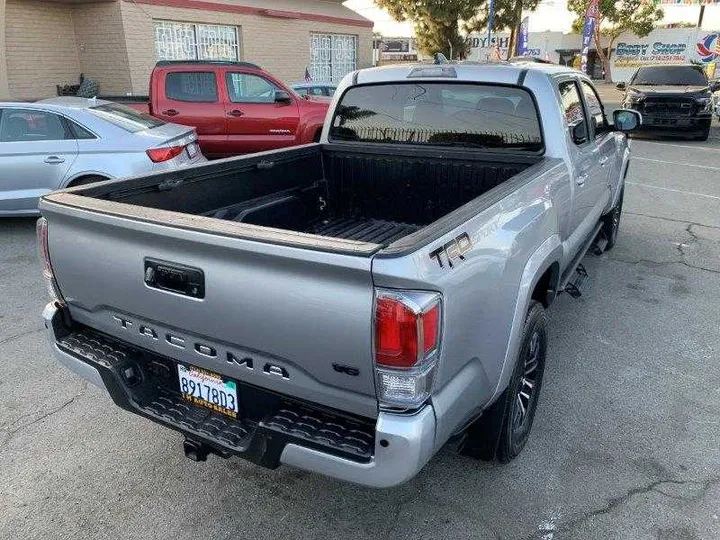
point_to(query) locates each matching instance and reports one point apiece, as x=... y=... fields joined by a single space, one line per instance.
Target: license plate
x=192 y=150
x=208 y=389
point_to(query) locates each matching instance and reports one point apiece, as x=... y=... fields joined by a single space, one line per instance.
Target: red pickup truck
x=236 y=107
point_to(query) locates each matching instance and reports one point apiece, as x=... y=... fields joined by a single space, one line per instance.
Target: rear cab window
x=439 y=114
x=191 y=86
x=125 y=118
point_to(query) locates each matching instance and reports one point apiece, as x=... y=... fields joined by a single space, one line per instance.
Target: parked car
x=236 y=107
x=347 y=307
x=68 y=141
x=672 y=99
x=314 y=89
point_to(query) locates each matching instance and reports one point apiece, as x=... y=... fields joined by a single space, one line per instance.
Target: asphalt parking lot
x=625 y=443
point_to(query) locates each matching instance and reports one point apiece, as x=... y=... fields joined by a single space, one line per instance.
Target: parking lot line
x=678 y=163
x=674 y=190
x=635 y=141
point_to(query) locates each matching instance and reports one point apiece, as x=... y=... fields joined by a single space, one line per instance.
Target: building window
x=188 y=41
x=332 y=56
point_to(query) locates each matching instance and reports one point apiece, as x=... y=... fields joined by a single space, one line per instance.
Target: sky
x=551 y=15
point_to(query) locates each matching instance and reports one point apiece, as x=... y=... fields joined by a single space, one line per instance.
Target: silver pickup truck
x=350 y=306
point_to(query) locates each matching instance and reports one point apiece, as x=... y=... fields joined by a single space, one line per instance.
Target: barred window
x=189 y=41
x=332 y=56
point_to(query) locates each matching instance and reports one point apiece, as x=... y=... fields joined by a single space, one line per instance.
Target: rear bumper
x=383 y=453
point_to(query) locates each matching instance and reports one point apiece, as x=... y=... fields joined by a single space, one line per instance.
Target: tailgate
x=291 y=312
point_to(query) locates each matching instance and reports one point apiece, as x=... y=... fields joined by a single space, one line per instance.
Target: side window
x=193 y=86
x=594 y=105
x=247 y=88
x=573 y=109
x=28 y=125
x=79 y=132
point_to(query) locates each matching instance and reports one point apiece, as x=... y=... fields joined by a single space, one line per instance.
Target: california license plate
x=208 y=389
x=192 y=150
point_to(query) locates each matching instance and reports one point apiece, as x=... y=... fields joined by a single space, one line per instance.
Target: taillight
x=44 y=254
x=407 y=342
x=158 y=155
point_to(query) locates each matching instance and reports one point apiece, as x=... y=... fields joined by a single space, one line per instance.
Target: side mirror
x=579 y=132
x=626 y=120
x=282 y=97
x=715 y=86
x=621 y=86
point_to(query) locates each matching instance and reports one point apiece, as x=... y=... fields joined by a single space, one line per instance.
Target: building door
x=332 y=56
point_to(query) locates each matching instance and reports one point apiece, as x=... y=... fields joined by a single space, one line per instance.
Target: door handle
x=581 y=179
x=171 y=112
x=54 y=160
x=235 y=112
x=603 y=161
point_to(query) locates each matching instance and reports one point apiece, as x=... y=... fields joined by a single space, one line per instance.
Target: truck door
x=191 y=98
x=256 y=122
x=605 y=140
x=587 y=169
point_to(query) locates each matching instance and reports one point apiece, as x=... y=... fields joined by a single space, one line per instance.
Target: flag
x=523 y=39
x=588 y=30
x=308 y=77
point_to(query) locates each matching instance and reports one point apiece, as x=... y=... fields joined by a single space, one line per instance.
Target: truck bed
x=325 y=190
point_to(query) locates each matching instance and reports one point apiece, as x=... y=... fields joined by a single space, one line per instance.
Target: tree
x=508 y=14
x=436 y=22
x=615 y=17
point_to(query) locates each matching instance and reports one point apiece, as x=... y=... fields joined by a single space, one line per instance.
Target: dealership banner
x=524 y=39
x=664 y=47
x=591 y=15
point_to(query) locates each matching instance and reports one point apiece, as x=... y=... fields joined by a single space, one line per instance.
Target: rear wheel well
x=546 y=287
x=86 y=179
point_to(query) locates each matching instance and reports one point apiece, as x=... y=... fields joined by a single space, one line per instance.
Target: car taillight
x=158 y=155
x=44 y=254
x=407 y=343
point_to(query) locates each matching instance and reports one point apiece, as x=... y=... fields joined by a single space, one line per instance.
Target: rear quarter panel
x=483 y=291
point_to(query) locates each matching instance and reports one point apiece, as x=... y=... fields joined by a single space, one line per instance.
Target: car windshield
x=125 y=117
x=670 y=76
x=439 y=114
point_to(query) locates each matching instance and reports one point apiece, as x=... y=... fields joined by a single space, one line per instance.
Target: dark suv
x=671 y=99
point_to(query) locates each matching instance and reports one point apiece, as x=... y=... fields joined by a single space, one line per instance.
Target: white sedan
x=67 y=141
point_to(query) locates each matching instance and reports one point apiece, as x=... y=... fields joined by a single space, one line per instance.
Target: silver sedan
x=61 y=142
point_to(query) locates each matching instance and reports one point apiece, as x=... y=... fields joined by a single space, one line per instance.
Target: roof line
x=261 y=12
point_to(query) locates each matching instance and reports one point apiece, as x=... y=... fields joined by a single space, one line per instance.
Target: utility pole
x=450 y=43
x=702 y=14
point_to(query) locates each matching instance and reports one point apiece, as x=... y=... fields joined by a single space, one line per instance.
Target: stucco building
x=117 y=42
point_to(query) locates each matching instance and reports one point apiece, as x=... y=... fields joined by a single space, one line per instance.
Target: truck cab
x=236 y=107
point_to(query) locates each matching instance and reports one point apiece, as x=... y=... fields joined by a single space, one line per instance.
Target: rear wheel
x=503 y=429
x=611 y=222
x=83 y=180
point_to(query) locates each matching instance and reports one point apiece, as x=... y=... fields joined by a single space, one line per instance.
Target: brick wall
x=40 y=48
x=101 y=44
x=48 y=43
x=281 y=46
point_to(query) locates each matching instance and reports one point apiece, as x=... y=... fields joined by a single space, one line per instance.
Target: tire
x=83 y=180
x=611 y=223
x=503 y=429
x=704 y=135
